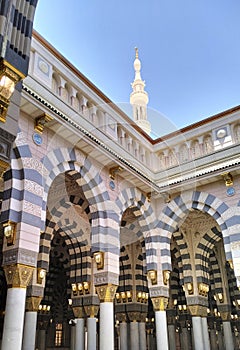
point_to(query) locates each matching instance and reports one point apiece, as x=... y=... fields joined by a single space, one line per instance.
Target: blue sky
x=189 y=50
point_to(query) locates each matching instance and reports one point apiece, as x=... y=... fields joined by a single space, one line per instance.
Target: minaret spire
x=136 y=52
x=139 y=97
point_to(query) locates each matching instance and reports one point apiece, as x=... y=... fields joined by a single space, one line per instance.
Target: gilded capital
x=121 y=316
x=18 y=275
x=160 y=303
x=106 y=293
x=134 y=316
x=32 y=303
x=226 y=316
x=79 y=312
x=198 y=310
x=3 y=167
x=91 y=310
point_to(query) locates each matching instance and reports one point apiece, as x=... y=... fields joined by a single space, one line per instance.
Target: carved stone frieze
x=18 y=276
x=20 y=256
x=90 y=300
x=35 y=290
x=106 y=277
x=159 y=291
x=33 y=187
x=6 y=135
x=32 y=303
x=106 y=293
x=160 y=303
x=197 y=300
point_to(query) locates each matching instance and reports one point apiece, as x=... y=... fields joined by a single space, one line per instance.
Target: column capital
x=79 y=312
x=3 y=167
x=43 y=325
x=18 y=275
x=121 y=316
x=134 y=316
x=91 y=310
x=225 y=316
x=225 y=312
x=198 y=310
x=160 y=303
x=32 y=303
x=106 y=293
x=143 y=316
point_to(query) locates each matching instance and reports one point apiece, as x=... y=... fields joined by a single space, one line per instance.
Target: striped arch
x=125 y=276
x=104 y=232
x=75 y=239
x=175 y=284
x=22 y=201
x=62 y=257
x=202 y=256
x=79 y=253
x=215 y=275
x=172 y=215
x=58 y=290
x=140 y=270
x=133 y=197
x=183 y=257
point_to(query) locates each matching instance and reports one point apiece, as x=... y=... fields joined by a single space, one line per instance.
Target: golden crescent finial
x=136 y=52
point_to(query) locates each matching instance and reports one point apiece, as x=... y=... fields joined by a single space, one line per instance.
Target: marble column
x=73 y=336
x=79 y=314
x=213 y=339
x=123 y=336
x=91 y=311
x=18 y=277
x=172 y=337
x=199 y=325
x=106 y=294
x=142 y=336
x=80 y=334
x=29 y=333
x=160 y=304
x=185 y=338
x=197 y=333
x=30 y=323
x=220 y=341
x=206 y=339
x=134 y=335
x=91 y=333
x=42 y=339
x=228 y=336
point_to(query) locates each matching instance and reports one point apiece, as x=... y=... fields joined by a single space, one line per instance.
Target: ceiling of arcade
x=195 y=225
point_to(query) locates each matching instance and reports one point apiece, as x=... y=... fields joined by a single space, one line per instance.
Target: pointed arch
x=132 y=197
x=104 y=232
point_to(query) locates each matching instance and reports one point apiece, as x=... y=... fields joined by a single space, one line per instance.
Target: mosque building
x=110 y=239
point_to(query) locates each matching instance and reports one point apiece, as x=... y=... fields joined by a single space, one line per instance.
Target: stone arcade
x=110 y=239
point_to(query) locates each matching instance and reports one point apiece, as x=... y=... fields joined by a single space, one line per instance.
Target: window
x=58 y=334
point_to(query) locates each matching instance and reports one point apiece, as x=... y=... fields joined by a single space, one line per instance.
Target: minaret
x=139 y=98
